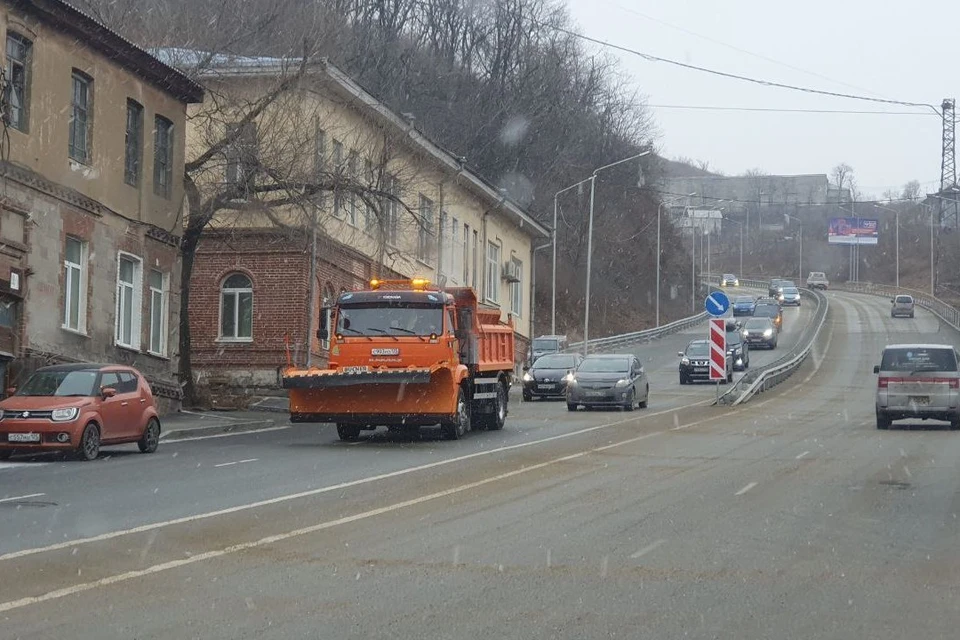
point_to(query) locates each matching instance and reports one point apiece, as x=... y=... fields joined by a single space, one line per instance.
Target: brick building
x=90 y=196
x=252 y=295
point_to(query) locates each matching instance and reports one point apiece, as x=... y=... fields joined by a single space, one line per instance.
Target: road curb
x=212 y=430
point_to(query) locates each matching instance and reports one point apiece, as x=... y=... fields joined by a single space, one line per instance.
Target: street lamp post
x=659 y=209
x=553 y=297
x=896 y=213
x=800 y=264
x=593 y=189
x=740 y=224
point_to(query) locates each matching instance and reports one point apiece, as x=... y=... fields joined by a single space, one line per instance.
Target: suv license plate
x=919 y=399
x=23 y=437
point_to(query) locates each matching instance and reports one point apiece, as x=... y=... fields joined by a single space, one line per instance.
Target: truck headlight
x=65 y=415
x=527 y=377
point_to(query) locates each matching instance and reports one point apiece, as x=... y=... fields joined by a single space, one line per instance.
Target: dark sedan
x=695 y=363
x=549 y=375
x=772 y=311
x=760 y=332
x=609 y=380
x=737 y=349
x=743 y=306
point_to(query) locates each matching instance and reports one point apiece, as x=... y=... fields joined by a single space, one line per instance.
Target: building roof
x=88 y=30
x=227 y=65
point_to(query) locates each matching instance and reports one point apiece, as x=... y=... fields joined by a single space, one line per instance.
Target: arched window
x=236 y=308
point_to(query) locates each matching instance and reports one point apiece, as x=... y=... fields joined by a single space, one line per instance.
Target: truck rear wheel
x=458 y=427
x=494 y=421
x=348 y=432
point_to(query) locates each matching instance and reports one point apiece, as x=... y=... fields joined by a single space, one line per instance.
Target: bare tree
x=911 y=191
x=841 y=174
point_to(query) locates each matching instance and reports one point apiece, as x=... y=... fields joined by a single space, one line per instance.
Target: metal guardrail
x=758 y=380
x=637 y=337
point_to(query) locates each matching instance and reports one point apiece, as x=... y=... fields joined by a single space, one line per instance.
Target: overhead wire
x=786 y=110
x=735 y=76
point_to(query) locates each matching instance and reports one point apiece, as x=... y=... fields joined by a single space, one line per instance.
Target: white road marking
x=352 y=483
x=804 y=454
x=226 y=435
x=227 y=464
x=650 y=547
x=15 y=498
x=745 y=489
x=10 y=466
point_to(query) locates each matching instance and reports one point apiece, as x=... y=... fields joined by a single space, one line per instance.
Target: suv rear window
x=904 y=299
x=919 y=359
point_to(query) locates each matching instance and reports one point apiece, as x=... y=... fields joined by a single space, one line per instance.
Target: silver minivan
x=902 y=306
x=918 y=381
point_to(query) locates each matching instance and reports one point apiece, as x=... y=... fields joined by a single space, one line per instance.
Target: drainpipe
x=311 y=306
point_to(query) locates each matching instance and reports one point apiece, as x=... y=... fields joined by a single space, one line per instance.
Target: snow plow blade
x=406 y=397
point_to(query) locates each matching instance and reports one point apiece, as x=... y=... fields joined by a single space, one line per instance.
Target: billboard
x=853 y=231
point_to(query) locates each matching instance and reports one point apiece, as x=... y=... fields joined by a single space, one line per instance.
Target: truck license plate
x=349 y=370
x=23 y=437
x=919 y=399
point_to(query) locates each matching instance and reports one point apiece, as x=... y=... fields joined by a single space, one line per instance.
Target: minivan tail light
x=955 y=383
x=882 y=382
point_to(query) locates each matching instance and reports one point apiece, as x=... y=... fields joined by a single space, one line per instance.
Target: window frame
x=81 y=271
x=133 y=149
x=425 y=229
x=240 y=168
x=22 y=123
x=136 y=302
x=236 y=292
x=493 y=273
x=84 y=156
x=162 y=171
x=163 y=293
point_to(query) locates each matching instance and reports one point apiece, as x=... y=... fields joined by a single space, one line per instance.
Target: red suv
x=79 y=407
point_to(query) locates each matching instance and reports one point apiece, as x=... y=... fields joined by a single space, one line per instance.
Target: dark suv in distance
x=549 y=375
x=773 y=289
x=760 y=332
x=770 y=310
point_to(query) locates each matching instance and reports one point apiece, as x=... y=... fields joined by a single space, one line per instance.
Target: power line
x=740 y=50
x=734 y=76
x=777 y=110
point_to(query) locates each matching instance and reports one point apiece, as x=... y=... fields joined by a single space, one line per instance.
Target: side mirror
x=680 y=354
x=876 y=368
x=108 y=392
x=323 y=333
x=11 y=391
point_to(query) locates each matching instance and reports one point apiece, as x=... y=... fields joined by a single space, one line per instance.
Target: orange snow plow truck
x=405 y=354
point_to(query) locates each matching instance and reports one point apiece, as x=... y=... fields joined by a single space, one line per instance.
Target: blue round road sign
x=717 y=304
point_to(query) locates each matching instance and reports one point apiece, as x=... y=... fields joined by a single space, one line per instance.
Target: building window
x=492 y=289
x=456 y=258
x=369 y=215
x=353 y=167
x=158 y=313
x=80 y=111
x=8 y=314
x=75 y=285
x=133 y=144
x=516 y=288
x=129 y=285
x=236 y=308
x=162 y=156
x=476 y=257
x=425 y=235
x=319 y=150
x=443 y=262
x=390 y=209
x=18 y=80
x=241 y=157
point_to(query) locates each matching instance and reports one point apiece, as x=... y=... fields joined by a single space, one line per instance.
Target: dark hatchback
x=737 y=348
x=743 y=306
x=549 y=375
x=760 y=332
x=772 y=311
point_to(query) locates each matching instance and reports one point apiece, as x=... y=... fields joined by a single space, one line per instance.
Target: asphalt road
x=790 y=516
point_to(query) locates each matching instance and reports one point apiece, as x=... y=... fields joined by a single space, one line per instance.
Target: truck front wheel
x=348 y=432
x=460 y=424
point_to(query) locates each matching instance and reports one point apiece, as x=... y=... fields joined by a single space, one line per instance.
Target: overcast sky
x=878 y=48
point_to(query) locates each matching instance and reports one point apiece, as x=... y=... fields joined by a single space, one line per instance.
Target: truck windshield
x=378 y=319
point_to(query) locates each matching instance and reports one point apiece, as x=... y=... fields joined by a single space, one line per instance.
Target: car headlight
x=622 y=383
x=572 y=382
x=568 y=378
x=65 y=415
x=736 y=283
x=768 y=333
x=527 y=377
x=685 y=360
